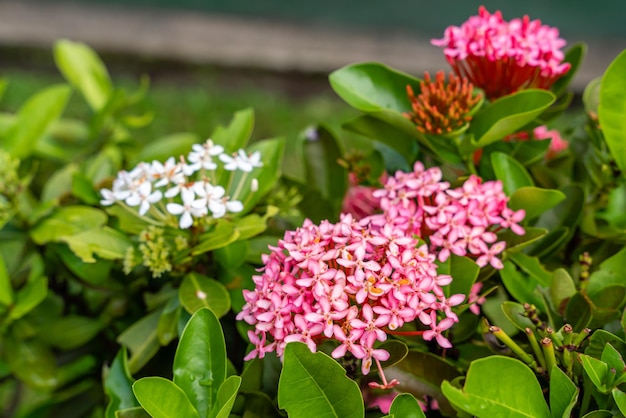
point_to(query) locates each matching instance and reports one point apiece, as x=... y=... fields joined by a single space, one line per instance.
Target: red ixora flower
x=503 y=57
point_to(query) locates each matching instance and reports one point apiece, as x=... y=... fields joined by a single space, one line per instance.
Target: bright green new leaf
x=200 y=360
x=105 y=242
x=252 y=225
x=534 y=200
x=612 y=109
x=563 y=394
x=198 y=291
x=60 y=183
x=161 y=398
x=329 y=392
x=6 y=289
x=221 y=235
x=118 y=385
x=405 y=406
x=597 y=371
x=67 y=220
x=226 y=396
x=512 y=174
x=578 y=312
x=373 y=87
x=620 y=400
x=237 y=133
x=507 y=114
x=134 y=412
x=599 y=339
x=82 y=68
x=499 y=386
x=34 y=119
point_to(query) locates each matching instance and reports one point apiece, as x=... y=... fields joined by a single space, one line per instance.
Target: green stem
x=535 y=346
x=506 y=340
x=548 y=353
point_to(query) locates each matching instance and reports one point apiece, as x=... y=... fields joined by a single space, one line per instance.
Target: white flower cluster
x=185 y=184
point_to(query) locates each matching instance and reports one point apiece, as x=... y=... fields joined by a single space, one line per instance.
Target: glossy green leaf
x=532 y=266
x=620 y=400
x=512 y=174
x=522 y=287
x=226 y=396
x=329 y=392
x=163 y=399
x=563 y=394
x=200 y=360
x=198 y=291
x=372 y=87
x=562 y=289
x=404 y=143
x=237 y=133
x=223 y=234
x=534 y=200
x=517 y=242
x=515 y=312
x=252 y=225
x=71 y=331
x=578 y=312
x=609 y=273
x=421 y=374
x=97 y=274
x=507 y=114
x=135 y=412
x=31 y=362
x=397 y=352
x=612 y=109
x=67 y=220
x=167 y=329
x=597 y=371
x=575 y=55
x=82 y=67
x=105 y=242
x=29 y=296
x=168 y=146
x=406 y=406
x=6 y=289
x=600 y=413
x=34 y=119
x=512 y=392
x=118 y=385
x=142 y=341
x=599 y=339
x=464 y=271
x=60 y=183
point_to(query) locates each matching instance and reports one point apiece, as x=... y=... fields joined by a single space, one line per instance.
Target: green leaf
x=513 y=391
x=515 y=312
x=223 y=234
x=562 y=289
x=563 y=394
x=609 y=273
x=28 y=297
x=612 y=109
x=97 y=274
x=272 y=151
x=71 y=331
x=406 y=406
x=520 y=286
x=620 y=400
x=200 y=360
x=6 y=289
x=118 y=385
x=328 y=392
x=372 y=87
x=534 y=200
x=169 y=146
x=532 y=266
x=168 y=322
x=599 y=339
x=82 y=68
x=163 y=399
x=67 y=220
x=34 y=119
x=31 y=362
x=226 y=396
x=105 y=242
x=198 y=291
x=597 y=371
x=512 y=174
x=135 y=412
x=575 y=56
x=465 y=272
x=252 y=225
x=397 y=352
x=578 y=312
x=237 y=133
x=142 y=341
x=507 y=114
x=371 y=127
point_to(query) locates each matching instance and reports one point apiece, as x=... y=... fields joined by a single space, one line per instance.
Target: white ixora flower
x=202 y=156
x=144 y=197
x=170 y=172
x=242 y=161
x=191 y=208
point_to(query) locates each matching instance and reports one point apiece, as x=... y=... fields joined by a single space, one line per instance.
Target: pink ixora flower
x=462 y=221
x=503 y=57
x=352 y=282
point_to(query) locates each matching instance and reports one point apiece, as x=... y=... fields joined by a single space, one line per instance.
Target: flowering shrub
x=467 y=243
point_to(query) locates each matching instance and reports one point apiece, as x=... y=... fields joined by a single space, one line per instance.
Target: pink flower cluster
x=462 y=221
x=540 y=133
x=353 y=281
x=503 y=57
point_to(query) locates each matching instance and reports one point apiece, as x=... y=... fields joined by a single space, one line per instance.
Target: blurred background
x=208 y=58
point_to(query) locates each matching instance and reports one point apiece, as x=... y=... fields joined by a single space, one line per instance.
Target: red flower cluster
x=503 y=57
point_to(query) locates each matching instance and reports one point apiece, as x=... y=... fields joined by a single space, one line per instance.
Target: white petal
x=175 y=208
x=186 y=220
x=143 y=208
x=234 y=206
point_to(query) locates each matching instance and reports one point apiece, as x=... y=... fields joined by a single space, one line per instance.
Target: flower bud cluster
x=186 y=189
x=503 y=57
x=462 y=221
x=353 y=281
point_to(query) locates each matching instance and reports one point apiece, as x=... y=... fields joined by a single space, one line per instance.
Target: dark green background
x=577 y=19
